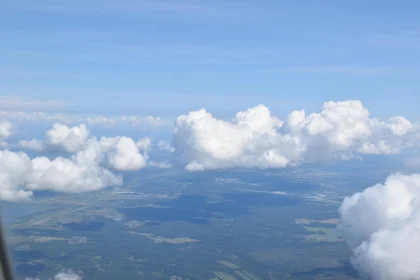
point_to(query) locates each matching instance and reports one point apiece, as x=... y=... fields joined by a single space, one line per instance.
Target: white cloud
x=13 y=169
x=67 y=139
x=144 y=144
x=340 y=123
x=19 y=175
x=165 y=146
x=254 y=138
x=160 y=164
x=5 y=129
x=84 y=171
x=62 y=275
x=23 y=103
x=127 y=120
x=124 y=153
x=87 y=169
x=71 y=119
x=67 y=275
x=379 y=148
x=382 y=226
x=69 y=175
x=34 y=116
x=251 y=140
x=400 y=125
x=33 y=145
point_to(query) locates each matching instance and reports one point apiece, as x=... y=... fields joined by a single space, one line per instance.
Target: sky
x=166 y=58
x=91 y=91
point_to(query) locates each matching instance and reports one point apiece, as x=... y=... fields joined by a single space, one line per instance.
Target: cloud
x=379 y=148
x=67 y=139
x=165 y=146
x=33 y=145
x=23 y=103
x=381 y=225
x=160 y=164
x=412 y=163
x=5 y=129
x=71 y=119
x=255 y=138
x=89 y=168
x=80 y=173
x=67 y=275
x=13 y=169
x=127 y=120
x=20 y=175
x=35 y=116
x=251 y=140
x=62 y=275
x=124 y=154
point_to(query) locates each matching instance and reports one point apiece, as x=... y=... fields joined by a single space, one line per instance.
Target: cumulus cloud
x=121 y=152
x=88 y=169
x=5 y=129
x=250 y=140
x=20 y=175
x=13 y=169
x=255 y=138
x=382 y=226
x=124 y=154
x=67 y=139
x=69 y=175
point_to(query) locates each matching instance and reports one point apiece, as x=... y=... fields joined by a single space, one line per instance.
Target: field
x=223 y=225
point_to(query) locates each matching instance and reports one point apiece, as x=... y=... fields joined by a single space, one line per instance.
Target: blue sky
x=166 y=58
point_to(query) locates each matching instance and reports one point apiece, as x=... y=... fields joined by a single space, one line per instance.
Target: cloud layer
x=255 y=138
x=252 y=139
x=135 y=121
x=382 y=226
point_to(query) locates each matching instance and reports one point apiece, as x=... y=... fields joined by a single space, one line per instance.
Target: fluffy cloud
x=382 y=226
x=5 y=129
x=86 y=170
x=251 y=140
x=62 y=137
x=13 y=169
x=19 y=175
x=254 y=138
x=124 y=154
x=69 y=175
